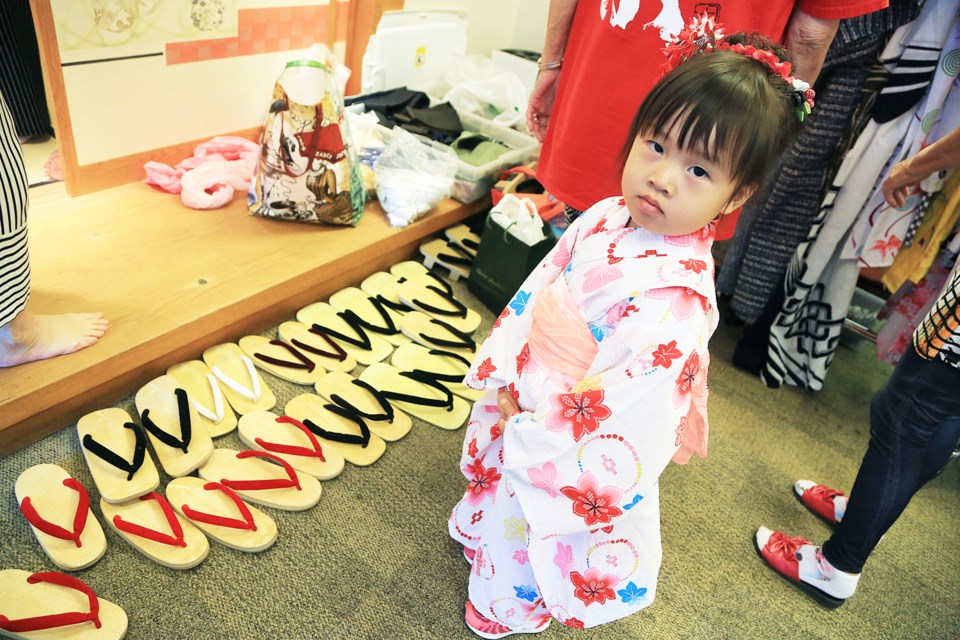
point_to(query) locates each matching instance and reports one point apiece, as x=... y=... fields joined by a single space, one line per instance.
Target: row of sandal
x=408 y=315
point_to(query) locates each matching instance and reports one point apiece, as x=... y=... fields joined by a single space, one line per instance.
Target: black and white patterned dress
x=14 y=257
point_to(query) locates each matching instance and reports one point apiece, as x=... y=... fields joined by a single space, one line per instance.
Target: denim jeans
x=914 y=427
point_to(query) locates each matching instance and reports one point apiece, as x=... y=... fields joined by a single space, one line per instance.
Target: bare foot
x=30 y=337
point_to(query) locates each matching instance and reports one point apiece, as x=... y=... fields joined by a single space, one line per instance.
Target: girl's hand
x=507 y=405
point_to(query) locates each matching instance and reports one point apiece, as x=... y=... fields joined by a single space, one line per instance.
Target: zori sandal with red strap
x=152 y=527
x=262 y=478
x=58 y=509
x=56 y=606
x=292 y=441
x=222 y=515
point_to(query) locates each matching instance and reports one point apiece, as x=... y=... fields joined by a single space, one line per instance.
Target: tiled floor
x=36 y=150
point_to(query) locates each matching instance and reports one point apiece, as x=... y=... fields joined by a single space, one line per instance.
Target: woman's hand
x=898 y=185
x=540 y=103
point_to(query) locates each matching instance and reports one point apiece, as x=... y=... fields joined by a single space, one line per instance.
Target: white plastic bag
x=412 y=176
x=520 y=218
x=473 y=84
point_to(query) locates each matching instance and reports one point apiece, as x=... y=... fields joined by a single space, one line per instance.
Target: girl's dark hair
x=749 y=109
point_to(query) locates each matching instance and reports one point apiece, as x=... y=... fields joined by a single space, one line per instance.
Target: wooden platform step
x=173 y=281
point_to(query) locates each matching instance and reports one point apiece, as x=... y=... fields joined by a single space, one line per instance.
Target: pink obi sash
x=559 y=337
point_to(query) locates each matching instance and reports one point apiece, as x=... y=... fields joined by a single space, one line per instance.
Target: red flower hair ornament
x=703 y=34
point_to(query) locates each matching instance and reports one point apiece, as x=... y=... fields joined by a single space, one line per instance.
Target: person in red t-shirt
x=601 y=57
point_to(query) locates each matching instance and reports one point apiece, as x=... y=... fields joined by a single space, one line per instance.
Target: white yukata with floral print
x=562 y=507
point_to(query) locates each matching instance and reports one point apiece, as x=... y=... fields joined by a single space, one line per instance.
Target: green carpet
x=373 y=559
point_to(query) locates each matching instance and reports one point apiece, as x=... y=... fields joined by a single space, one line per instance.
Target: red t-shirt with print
x=613 y=58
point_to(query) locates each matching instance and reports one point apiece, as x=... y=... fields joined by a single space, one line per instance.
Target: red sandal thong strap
x=51 y=529
x=244 y=522
x=174 y=539
x=291 y=481
x=304 y=362
x=292 y=449
x=38 y=623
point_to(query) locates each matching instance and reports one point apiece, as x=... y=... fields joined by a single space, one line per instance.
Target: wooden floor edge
x=48 y=409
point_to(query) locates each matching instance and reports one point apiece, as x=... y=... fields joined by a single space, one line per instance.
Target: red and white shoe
x=785 y=555
x=487 y=628
x=827 y=504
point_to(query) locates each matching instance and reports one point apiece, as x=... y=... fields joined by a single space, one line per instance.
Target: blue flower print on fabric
x=599 y=331
x=636 y=500
x=528 y=592
x=632 y=594
x=519 y=302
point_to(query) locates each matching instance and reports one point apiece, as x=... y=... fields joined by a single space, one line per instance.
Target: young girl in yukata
x=595 y=374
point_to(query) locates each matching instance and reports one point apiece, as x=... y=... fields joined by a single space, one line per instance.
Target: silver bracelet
x=545 y=66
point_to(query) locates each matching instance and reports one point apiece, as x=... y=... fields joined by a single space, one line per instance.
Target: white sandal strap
x=217 y=414
x=252 y=394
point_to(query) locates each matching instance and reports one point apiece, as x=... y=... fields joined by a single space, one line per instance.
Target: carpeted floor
x=373 y=559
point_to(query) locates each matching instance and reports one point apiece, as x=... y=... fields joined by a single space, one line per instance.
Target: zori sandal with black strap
x=338 y=428
x=437 y=334
x=165 y=410
x=418 y=394
x=366 y=348
x=445 y=367
x=115 y=449
x=372 y=313
x=360 y=398
x=213 y=409
x=447 y=254
x=440 y=305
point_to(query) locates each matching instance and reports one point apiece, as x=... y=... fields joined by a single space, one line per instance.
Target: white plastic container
x=473 y=182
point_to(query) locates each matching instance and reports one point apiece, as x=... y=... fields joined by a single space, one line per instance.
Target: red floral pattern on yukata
x=573 y=623
x=665 y=354
x=502 y=316
x=692 y=264
x=595 y=504
x=581 y=413
x=525 y=363
x=483 y=481
x=689 y=373
x=594 y=586
x=485 y=369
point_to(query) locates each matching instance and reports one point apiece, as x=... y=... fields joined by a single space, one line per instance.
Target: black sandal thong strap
x=465 y=342
x=389 y=327
x=423 y=378
x=335 y=436
x=305 y=362
x=386 y=416
x=183 y=406
x=396 y=306
x=338 y=352
x=464 y=259
x=440 y=281
x=362 y=340
x=459 y=309
x=139 y=451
